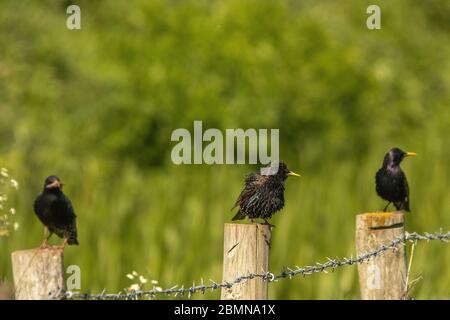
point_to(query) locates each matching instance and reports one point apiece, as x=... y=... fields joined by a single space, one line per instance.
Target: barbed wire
x=331 y=264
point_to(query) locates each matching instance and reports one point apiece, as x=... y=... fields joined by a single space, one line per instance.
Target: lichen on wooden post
x=38 y=274
x=246 y=250
x=383 y=277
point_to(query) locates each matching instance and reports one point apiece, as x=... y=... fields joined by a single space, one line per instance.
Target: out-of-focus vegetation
x=97 y=107
x=7 y=185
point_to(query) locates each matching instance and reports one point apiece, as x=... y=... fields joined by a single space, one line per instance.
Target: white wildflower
x=130 y=276
x=135 y=287
x=154 y=282
x=134 y=273
x=12 y=211
x=14 y=184
x=16 y=226
x=4 y=172
x=142 y=279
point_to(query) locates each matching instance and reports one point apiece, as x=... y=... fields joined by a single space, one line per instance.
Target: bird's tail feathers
x=73 y=241
x=239 y=216
x=406 y=207
x=402 y=206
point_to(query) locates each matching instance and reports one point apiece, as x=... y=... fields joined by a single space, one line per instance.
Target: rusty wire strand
x=331 y=264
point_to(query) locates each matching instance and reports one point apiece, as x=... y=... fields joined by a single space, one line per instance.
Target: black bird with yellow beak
x=54 y=209
x=391 y=182
x=263 y=195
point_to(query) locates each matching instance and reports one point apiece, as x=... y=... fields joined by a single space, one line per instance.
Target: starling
x=56 y=212
x=391 y=182
x=263 y=195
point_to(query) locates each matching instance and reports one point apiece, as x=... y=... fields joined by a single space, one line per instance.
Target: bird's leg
x=47 y=235
x=44 y=244
x=387 y=206
x=269 y=224
x=63 y=245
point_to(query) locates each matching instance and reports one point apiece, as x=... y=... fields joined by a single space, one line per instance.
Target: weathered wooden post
x=38 y=274
x=382 y=277
x=245 y=251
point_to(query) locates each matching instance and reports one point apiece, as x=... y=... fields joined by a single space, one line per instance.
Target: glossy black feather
x=55 y=210
x=263 y=195
x=391 y=182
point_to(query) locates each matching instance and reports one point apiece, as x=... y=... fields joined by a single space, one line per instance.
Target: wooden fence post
x=382 y=277
x=38 y=274
x=246 y=250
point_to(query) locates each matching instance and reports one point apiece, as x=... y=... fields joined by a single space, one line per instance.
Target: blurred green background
x=97 y=107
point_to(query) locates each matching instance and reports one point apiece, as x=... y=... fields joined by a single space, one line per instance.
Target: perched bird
x=56 y=212
x=263 y=194
x=391 y=182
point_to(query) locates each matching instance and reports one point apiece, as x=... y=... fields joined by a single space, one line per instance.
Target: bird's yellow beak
x=411 y=154
x=292 y=173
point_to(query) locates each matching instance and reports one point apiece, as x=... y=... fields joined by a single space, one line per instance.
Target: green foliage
x=97 y=106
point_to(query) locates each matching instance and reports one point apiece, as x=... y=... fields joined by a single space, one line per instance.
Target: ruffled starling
x=263 y=195
x=56 y=212
x=391 y=182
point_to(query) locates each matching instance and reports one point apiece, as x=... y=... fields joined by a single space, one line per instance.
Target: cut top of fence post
x=38 y=274
x=380 y=220
x=246 y=251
